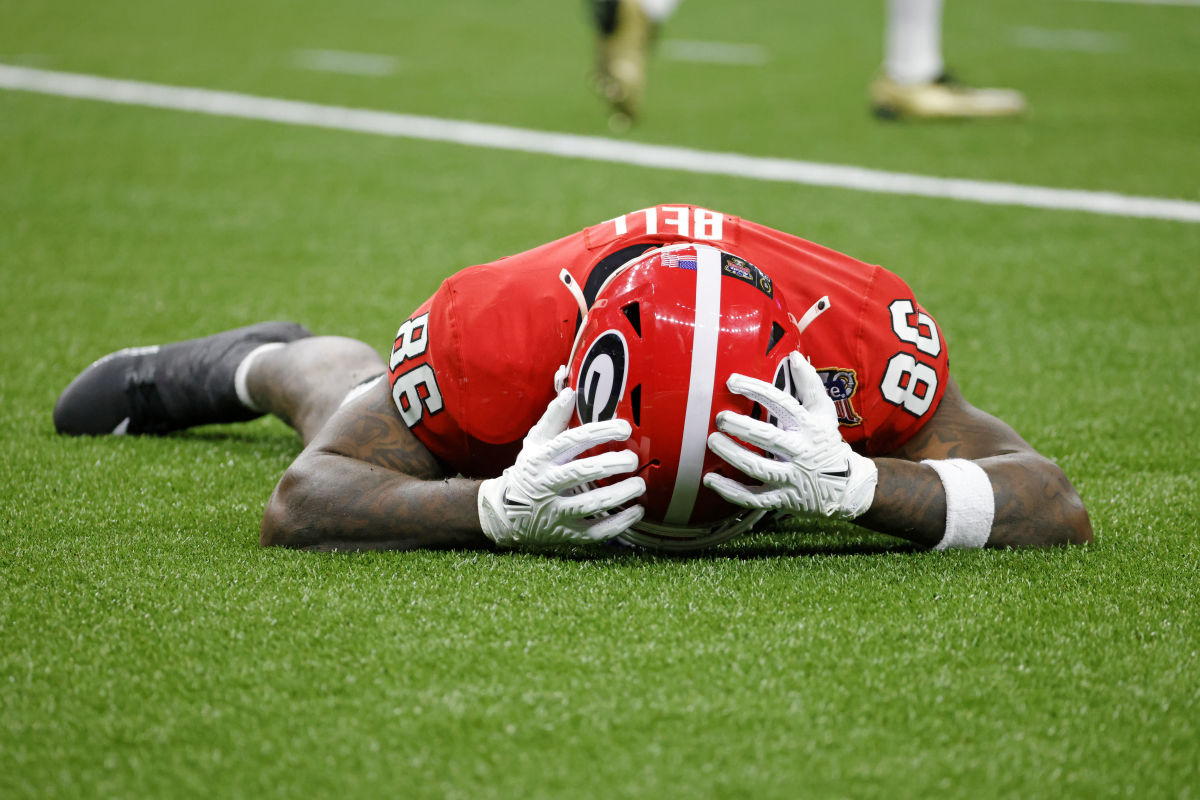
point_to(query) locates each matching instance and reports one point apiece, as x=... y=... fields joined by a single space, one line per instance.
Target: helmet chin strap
x=815 y=310
x=560 y=377
x=573 y=287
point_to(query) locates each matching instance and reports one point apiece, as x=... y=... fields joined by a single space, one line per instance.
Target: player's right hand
x=544 y=497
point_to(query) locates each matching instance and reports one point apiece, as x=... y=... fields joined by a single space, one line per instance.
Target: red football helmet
x=656 y=347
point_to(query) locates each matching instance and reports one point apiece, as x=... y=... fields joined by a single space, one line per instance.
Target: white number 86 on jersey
x=414 y=391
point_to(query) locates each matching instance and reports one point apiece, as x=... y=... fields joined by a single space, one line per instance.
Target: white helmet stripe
x=700 y=386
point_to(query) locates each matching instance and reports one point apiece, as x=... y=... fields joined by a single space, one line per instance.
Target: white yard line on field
x=749 y=55
x=344 y=62
x=595 y=148
x=1068 y=40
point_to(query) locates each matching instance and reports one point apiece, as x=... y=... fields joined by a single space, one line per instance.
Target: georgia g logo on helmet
x=602 y=377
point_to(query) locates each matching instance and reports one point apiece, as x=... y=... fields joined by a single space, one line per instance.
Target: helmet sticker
x=602 y=376
x=746 y=272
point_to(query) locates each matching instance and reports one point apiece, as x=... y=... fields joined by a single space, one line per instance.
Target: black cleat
x=164 y=388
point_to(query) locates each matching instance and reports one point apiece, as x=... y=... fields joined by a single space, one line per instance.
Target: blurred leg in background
x=915 y=84
x=625 y=33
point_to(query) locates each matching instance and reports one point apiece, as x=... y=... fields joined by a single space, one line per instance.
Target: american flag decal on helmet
x=679 y=261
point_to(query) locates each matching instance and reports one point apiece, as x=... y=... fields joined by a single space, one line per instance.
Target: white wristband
x=970 y=503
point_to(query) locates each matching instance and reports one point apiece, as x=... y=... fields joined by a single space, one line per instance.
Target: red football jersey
x=473 y=368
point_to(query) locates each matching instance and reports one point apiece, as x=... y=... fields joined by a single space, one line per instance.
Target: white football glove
x=813 y=471
x=544 y=498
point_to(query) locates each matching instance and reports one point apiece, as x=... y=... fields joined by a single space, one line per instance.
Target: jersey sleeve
x=904 y=365
x=473 y=368
x=421 y=369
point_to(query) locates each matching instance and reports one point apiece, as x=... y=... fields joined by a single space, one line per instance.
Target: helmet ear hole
x=633 y=312
x=777 y=332
x=635 y=400
x=652 y=464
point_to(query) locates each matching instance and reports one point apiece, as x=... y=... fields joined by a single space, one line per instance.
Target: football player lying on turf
x=667 y=378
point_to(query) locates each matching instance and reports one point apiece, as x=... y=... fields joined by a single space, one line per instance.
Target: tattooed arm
x=1035 y=503
x=366 y=483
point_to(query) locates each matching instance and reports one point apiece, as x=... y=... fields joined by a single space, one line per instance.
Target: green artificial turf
x=150 y=648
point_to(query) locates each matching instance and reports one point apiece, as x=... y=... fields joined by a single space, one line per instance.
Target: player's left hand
x=813 y=469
